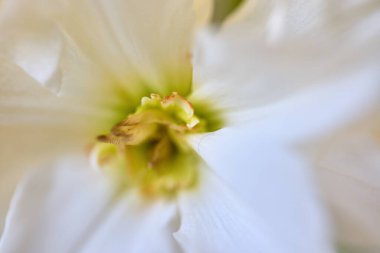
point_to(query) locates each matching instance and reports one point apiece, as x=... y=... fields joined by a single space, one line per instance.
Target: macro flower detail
x=108 y=108
x=149 y=148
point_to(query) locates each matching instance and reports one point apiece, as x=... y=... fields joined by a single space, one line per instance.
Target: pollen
x=148 y=150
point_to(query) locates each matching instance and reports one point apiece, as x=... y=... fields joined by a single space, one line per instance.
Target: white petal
x=71 y=208
x=278 y=19
x=237 y=68
x=349 y=172
x=150 y=39
x=31 y=40
x=22 y=148
x=260 y=161
x=36 y=126
x=281 y=20
x=54 y=209
x=144 y=40
x=303 y=117
x=273 y=182
x=36 y=37
x=212 y=219
x=136 y=225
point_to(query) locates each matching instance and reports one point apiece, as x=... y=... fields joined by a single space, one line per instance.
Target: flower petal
x=30 y=40
x=135 y=225
x=36 y=126
x=261 y=161
x=71 y=208
x=53 y=208
x=279 y=19
x=150 y=39
x=271 y=180
x=214 y=220
x=350 y=177
x=32 y=37
x=115 y=35
x=240 y=69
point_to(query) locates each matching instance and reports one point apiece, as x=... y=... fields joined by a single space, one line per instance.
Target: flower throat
x=149 y=150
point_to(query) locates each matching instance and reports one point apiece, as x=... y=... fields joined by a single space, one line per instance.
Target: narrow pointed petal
x=214 y=220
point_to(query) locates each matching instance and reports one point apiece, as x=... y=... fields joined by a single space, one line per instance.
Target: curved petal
x=150 y=39
x=281 y=20
x=71 y=208
x=278 y=19
x=349 y=173
x=47 y=40
x=31 y=40
x=53 y=208
x=213 y=219
x=36 y=126
x=135 y=225
x=260 y=161
x=240 y=69
x=272 y=181
x=141 y=44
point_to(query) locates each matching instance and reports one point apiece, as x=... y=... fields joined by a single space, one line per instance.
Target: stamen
x=152 y=146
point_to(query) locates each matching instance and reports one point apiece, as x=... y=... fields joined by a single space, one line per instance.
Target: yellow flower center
x=149 y=150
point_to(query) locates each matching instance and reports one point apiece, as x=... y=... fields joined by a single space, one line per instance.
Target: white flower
x=71 y=71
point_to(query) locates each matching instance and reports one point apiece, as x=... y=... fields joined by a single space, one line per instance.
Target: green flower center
x=149 y=150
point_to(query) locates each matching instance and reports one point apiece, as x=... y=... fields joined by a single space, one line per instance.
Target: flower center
x=149 y=150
